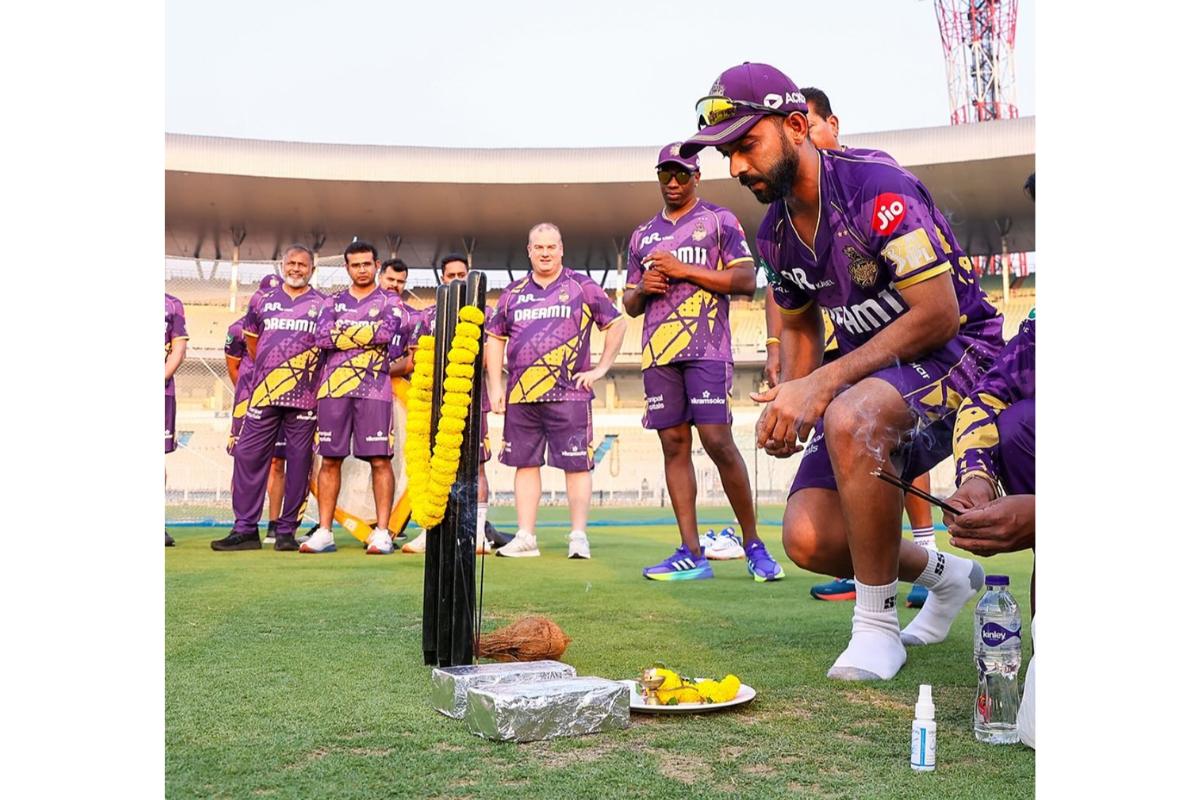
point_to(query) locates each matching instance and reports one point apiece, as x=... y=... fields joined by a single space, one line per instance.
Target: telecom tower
x=977 y=41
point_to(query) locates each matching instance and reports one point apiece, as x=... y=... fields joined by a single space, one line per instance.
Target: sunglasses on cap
x=714 y=109
x=682 y=176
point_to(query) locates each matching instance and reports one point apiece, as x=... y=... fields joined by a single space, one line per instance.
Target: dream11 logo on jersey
x=889 y=212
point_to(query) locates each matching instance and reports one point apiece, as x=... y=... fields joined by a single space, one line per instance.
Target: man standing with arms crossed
x=543 y=324
x=176 y=349
x=862 y=238
x=280 y=329
x=683 y=265
x=354 y=401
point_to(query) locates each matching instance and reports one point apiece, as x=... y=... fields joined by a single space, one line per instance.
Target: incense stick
x=900 y=483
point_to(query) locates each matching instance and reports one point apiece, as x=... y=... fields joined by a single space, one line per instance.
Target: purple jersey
x=405 y=335
x=688 y=323
x=424 y=326
x=1010 y=379
x=878 y=232
x=176 y=330
x=548 y=332
x=235 y=347
x=357 y=337
x=287 y=359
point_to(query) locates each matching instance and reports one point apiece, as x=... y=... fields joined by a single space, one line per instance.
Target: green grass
x=295 y=676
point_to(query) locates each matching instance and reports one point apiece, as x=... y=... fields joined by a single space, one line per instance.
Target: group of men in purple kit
x=849 y=237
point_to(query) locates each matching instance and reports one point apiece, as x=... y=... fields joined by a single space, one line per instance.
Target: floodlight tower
x=977 y=41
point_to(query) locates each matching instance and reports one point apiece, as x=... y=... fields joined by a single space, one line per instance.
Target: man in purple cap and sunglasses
x=860 y=237
x=683 y=265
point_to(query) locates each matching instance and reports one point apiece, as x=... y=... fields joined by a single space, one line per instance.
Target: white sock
x=480 y=521
x=951 y=582
x=923 y=537
x=875 y=651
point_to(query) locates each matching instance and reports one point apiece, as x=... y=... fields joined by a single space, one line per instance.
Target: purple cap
x=268 y=282
x=760 y=84
x=996 y=580
x=670 y=155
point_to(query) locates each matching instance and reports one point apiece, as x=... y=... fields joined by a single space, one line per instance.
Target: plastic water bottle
x=997 y=660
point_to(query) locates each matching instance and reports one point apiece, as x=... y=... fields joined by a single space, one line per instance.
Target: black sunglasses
x=682 y=176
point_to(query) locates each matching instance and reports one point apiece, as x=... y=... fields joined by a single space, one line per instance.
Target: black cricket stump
x=448 y=624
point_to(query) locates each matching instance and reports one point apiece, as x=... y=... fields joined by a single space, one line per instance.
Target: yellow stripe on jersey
x=284 y=378
x=354 y=336
x=676 y=332
x=924 y=276
x=347 y=377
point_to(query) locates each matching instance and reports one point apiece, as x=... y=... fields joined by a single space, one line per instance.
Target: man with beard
x=280 y=329
x=683 y=265
x=862 y=238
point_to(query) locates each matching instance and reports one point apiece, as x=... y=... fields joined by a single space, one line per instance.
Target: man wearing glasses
x=683 y=265
x=862 y=238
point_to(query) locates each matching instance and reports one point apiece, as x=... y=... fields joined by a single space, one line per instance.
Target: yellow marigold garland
x=431 y=473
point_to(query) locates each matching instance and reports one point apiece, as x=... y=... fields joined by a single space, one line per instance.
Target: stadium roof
x=425 y=201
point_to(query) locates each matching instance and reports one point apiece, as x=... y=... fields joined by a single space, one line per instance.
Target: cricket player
x=683 y=265
x=823 y=127
x=454 y=267
x=281 y=340
x=354 y=401
x=176 y=349
x=862 y=238
x=241 y=370
x=542 y=326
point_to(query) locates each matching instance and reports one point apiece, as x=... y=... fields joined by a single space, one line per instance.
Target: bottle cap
x=925 y=708
x=996 y=580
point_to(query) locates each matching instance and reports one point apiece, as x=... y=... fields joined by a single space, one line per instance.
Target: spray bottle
x=924 y=733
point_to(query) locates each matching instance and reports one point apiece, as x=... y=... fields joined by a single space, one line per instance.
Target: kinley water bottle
x=997 y=661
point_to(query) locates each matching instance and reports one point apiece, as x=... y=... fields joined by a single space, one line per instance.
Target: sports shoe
x=523 y=545
x=482 y=545
x=708 y=541
x=578 y=545
x=417 y=545
x=286 y=542
x=728 y=547
x=379 y=543
x=836 y=589
x=170 y=541
x=321 y=541
x=237 y=541
x=270 y=538
x=916 y=598
x=760 y=565
x=680 y=566
x=496 y=537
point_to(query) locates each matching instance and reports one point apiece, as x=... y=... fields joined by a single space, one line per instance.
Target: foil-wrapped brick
x=450 y=684
x=535 y=710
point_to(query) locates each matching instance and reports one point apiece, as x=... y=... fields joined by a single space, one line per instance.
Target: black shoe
x=170 y=541
x=238 y=541
x=286 y=541
x=494 y=536
x=271 y=526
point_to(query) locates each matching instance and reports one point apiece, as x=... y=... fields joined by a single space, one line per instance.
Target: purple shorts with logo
x=235 y=431
x=169 y=436
x=933 y=387
x=368 y=422
x=564 y=425
x=687 y=391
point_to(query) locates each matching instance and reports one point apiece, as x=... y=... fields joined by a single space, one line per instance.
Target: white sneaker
x=379 y=543
x=320 y=542
x=523 y=545
x=708 y=541
x=578 y=547
x=417 y=545
x=728 y=547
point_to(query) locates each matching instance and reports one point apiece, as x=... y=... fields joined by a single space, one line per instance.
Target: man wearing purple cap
x=683 y=265
x=280 y=328
x=354 y=402
x=241 y=370
x=543 y=326
x=862 y=238
x=176 y=349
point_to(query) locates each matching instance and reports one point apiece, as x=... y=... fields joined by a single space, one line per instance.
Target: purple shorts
x=169 y=436
x=933 y=387
x=687 y=391
x=566 y=426
x=1015 y=425
x=368 y=422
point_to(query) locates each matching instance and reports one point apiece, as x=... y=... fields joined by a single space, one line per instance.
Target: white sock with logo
x=951 y=582
x=875 y=651
x=923 y=537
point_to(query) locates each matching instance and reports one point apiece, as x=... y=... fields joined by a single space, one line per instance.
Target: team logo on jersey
x=863 y=271
x=563 y=296
x=312 y=311
x=910 y=252
x=699 y=233
x=374 y=312
x=889 y=212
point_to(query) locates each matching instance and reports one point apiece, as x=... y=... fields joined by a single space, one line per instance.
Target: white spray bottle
x=924 y=733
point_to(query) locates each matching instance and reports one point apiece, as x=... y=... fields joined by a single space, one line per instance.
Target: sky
x=541 y=74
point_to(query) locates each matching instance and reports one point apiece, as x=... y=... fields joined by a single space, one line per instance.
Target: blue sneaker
x=680 y=566
x=838 y=589
x=760 y=565
x=916 y=598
